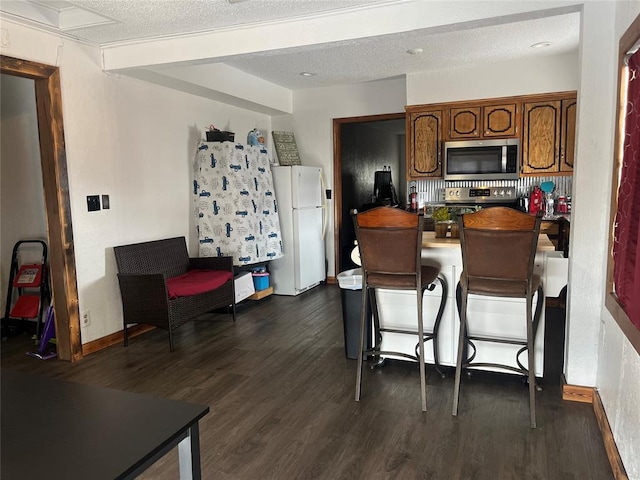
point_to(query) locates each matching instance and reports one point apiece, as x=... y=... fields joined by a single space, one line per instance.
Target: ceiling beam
x=386 y=19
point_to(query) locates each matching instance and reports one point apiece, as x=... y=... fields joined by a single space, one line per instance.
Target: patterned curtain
x=626 y=249
x=236 y=205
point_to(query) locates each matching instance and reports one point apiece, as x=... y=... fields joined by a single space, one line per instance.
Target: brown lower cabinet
x=558 y=232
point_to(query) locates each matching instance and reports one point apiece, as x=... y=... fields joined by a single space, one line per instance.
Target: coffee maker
x=523 y=204
x=384 y=193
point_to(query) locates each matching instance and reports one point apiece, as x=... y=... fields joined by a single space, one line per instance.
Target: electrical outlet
x=86 y=318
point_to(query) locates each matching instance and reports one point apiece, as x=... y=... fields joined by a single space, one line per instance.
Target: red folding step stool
x=31 y=281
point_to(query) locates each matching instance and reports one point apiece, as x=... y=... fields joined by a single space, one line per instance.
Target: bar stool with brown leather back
x=390 y=242
x=498 y=251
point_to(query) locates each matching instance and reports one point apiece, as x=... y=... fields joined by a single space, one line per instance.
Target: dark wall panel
x=366 y=148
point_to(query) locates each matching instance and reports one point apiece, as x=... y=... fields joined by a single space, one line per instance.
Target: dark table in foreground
x=53 y=429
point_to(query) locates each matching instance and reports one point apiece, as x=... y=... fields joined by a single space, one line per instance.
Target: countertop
x=429 y=240
x=558 y=217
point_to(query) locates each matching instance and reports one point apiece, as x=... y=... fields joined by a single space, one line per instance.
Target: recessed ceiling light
x=541 y=45
x=307 y=74
x=415 y=51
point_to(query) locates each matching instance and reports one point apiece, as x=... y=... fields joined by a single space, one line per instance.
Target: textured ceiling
x=136 y=19
x=366 y=59
x=386 y=56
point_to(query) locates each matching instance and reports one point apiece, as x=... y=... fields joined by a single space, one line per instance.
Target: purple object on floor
x=47 y=334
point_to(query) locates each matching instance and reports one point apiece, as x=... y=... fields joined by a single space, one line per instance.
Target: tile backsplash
x=432 y=191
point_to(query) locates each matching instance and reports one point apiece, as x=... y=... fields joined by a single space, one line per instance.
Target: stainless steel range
x=480 y=195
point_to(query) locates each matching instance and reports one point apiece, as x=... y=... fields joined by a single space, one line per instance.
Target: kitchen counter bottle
x=562 y=206
x=535 y=200
x=413 y=198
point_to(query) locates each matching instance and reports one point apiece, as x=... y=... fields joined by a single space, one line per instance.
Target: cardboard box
x=244 y=286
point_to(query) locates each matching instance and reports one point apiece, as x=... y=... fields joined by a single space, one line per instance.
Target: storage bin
x=261 y=281
x=218 y=136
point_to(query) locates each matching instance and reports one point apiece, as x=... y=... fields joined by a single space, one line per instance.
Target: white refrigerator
x=301 y=211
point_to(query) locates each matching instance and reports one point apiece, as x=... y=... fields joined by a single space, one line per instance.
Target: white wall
x=618 y=364
x=554 y=73
x=618 y=372
x=22 y=212
x=134 y=141
x=591 y=192
x=312 y=123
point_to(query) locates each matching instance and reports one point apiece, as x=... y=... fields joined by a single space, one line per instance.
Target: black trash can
x=350 y=282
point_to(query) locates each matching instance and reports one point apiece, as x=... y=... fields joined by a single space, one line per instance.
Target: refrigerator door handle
x=325 y=221
x=323 y=205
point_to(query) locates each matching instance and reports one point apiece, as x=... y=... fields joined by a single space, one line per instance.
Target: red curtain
x=626 y=249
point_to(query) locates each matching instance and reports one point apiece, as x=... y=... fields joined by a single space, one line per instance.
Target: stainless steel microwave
x=496 y=159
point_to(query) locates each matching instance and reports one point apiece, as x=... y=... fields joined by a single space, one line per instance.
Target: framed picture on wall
x=286 y=148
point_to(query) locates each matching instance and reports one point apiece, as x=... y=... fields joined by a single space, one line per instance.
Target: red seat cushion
x=196 y=281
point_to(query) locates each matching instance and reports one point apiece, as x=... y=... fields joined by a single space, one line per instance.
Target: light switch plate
x=93 y=203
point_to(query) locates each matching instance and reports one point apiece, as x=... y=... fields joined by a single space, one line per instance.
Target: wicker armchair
x=143 y=272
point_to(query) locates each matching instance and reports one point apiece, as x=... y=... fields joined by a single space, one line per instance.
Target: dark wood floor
x=281 y=396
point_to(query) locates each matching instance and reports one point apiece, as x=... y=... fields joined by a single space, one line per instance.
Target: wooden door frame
x=337 y=174
x=57 y=203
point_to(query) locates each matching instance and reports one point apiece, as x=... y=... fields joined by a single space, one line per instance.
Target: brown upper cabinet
x=548 y=135
x=545 y=124
x=541 y=137
x=501 y=120
x=568 y=134
x=424 y=144
x=483 y=121
x=464 y=122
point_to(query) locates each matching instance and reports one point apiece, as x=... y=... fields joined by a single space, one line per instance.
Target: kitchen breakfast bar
x=492 y=316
